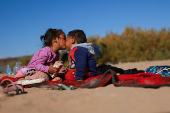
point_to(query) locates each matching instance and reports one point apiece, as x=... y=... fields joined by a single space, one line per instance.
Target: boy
x=81 y=59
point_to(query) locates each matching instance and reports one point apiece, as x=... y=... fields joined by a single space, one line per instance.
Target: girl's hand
x=53 y=70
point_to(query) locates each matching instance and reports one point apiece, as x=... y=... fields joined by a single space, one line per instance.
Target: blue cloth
x=97 y=51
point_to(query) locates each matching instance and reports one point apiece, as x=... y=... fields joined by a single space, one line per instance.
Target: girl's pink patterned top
x=42 y=59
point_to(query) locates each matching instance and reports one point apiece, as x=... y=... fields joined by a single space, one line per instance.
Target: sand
x=108 y=99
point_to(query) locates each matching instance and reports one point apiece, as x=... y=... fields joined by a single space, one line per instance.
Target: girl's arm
x=40 y=60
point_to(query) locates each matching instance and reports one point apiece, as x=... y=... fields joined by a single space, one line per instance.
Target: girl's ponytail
x=42 y=37
x=47 y=38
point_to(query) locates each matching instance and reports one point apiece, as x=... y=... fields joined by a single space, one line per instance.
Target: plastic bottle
x=16 y=68
x=8 y=70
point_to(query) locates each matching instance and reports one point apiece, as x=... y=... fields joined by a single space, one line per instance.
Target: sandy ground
x=108 y=99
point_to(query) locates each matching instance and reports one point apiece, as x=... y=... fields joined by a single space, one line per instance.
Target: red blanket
x=148 y=80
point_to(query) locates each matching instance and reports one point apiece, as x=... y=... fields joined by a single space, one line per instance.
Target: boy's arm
x=81 y=63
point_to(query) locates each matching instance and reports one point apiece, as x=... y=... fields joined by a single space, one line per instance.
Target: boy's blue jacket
x=81 y=58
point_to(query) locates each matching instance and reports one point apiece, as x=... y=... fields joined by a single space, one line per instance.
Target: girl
x=41 y=64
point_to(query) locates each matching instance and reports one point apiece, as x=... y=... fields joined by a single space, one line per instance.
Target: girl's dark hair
x=50 y=35
x=79 y=35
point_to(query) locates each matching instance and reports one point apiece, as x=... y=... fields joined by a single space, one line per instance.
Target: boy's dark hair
x=49 y=35
x=79 y=35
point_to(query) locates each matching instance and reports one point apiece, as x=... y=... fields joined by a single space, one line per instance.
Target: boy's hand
x=57 y=79
x=53 y=70
x=63 y=70
x=80 y=80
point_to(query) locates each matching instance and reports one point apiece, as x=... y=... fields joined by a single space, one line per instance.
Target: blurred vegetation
x=133 y=45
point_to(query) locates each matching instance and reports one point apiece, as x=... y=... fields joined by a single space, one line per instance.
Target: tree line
x=134 y=45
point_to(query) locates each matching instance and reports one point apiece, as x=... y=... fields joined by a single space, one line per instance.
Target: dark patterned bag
x=163 y=70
